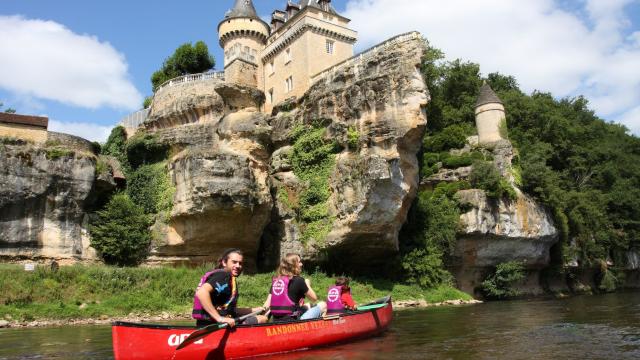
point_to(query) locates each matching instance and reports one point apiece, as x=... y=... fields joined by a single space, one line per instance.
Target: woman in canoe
x=217 y=294
x=288 y=291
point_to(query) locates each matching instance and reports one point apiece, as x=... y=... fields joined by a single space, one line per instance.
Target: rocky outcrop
x=45 y=195
x=222 y=199
x=380 y=96
x=499 y=231
x=185 y=103
x=230 y=162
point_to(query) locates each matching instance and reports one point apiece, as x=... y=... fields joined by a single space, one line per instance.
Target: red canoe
x=158 y=342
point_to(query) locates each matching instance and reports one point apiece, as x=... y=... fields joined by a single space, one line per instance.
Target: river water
x=584 y=327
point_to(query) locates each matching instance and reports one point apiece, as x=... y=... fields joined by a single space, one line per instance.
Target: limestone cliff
x=229 y=161
x=377 y=99
x=45 y=195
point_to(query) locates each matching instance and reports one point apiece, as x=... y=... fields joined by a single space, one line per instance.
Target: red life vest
x=334 y=302
x=281 y=304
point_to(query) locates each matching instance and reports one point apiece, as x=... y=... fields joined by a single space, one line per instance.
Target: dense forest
x=584 y=169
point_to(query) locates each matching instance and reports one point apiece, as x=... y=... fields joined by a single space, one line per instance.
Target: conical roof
x=242 y=9
x=487 y=96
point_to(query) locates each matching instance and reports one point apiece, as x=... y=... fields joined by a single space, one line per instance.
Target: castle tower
x=242 y=35
x=306 y=38
x=491 y=120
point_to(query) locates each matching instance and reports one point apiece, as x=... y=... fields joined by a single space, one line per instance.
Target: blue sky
x=86 y=64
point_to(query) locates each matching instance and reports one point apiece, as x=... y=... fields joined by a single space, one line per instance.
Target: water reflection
x=587 y=327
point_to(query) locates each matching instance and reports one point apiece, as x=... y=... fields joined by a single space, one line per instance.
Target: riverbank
x=83 y=295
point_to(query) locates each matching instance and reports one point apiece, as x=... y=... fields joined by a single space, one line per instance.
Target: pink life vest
x=281 y=304
x=334 y=303
x=198 y=312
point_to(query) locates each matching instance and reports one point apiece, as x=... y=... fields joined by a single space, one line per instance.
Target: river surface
x=584 y=327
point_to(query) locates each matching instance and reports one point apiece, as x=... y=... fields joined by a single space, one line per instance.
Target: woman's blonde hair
x=289 y=265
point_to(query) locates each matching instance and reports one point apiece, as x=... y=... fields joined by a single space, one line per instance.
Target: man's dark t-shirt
x=222 y=288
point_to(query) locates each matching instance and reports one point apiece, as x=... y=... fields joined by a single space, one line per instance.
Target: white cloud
x=46 y=60
x=631 y=119
x=583 y=51
x=89 y=131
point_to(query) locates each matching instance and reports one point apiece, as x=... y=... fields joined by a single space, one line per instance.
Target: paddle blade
x=200 y=333
x=382 y=300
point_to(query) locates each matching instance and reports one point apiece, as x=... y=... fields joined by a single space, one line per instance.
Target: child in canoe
x=339 y=298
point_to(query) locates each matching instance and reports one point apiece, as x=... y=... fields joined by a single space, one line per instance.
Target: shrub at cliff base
x=120 y=232
x=76 y=292
x=429 y=236
x=499 y=284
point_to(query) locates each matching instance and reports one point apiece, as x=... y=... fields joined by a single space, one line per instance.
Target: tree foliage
x=116 y=146
x=499 y=285
x=120 y=232
x=586 y=170
x=187 y=59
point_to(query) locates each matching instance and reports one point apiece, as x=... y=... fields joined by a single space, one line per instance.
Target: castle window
x=270 y=96
x=287 y=56
x=288 y=84
x=271 y=68
x=329 y=47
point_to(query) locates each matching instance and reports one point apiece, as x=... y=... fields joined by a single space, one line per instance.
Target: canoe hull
x=138 y=341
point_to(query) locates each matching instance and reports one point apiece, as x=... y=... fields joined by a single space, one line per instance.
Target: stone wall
x=25 y=132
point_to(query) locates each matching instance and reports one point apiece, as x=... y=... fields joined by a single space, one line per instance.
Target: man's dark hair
x=225 y=256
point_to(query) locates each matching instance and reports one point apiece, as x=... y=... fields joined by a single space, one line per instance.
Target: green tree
x=120 y=232
x=187 y=59
x=499 y=285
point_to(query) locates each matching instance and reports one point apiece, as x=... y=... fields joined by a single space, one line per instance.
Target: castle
x=280 y=59
x=285 y=58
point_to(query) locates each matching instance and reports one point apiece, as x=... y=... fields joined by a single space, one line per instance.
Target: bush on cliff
x=313 y=161
x=145 y=148
x=149 y=187
x=484 y=175
x=116 y=146
x=120 y=232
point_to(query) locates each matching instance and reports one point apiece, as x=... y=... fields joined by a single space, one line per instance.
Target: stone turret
x=242 y=35
x=491 y=118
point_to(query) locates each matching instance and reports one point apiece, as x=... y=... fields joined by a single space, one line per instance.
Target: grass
x=81 y=292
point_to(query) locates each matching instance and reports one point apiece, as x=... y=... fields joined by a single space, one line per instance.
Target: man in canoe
x=217 y=294
x=288 y=290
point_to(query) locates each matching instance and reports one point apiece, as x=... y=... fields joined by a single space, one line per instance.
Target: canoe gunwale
x=193 y=327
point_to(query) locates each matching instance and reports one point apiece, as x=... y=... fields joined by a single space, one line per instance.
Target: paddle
x=204 y=331
x=382 y=300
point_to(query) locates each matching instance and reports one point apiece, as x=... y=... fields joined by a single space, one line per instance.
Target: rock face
x=381 y=96
x=222 y=199
x=228 y=172
x=44 y=200
x=499 y=231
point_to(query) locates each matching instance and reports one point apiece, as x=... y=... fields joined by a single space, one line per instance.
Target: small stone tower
x=491 y=120
x=242 y=35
